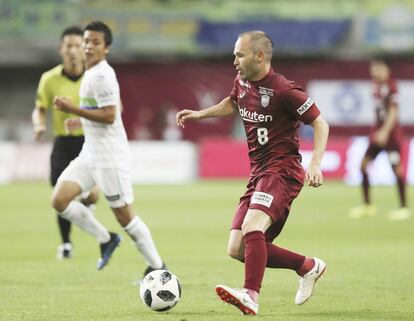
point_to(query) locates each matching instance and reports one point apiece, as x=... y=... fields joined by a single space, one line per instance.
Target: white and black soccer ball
x=160 y=290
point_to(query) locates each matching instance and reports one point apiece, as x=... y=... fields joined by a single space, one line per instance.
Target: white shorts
x=115 y=183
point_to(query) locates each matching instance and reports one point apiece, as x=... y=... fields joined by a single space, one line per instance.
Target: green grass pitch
x=369 y=275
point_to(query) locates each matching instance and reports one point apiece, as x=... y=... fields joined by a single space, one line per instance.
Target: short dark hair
x=73 y=30
x=100 y=27
x=260 y=40
x=380 y=59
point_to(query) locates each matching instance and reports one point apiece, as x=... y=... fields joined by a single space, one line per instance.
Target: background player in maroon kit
x=271 y=107
x=386 y=135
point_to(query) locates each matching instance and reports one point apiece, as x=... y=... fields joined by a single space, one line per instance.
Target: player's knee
x=364 y=165
x=235 y=253
x=92 y=197
x=249 y=226
x=60 y=202
x=398 y=172
x=363 y=168
x=124 y=215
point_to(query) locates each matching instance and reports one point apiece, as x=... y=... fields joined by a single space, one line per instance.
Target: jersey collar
x=268 y=75
x=71 y=77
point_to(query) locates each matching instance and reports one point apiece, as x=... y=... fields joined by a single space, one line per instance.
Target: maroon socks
x=279 y=258
x=259 y=254
x=401 y=190
x=365 y=188
x=307 y=265
x=255 y=258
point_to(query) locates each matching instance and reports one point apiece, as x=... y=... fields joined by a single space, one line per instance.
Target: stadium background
x=170 y=54
x=174 y=54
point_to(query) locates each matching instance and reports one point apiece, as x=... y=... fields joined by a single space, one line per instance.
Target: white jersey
x=106 y=145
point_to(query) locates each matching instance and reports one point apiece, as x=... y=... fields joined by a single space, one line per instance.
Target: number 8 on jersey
x=262 y=136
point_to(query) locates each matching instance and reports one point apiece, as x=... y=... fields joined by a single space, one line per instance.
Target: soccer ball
x=160 y=290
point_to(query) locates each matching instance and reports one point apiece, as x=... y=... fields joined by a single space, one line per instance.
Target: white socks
x=141 y=235
x=82 y=216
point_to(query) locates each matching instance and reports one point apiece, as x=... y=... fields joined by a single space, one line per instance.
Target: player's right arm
x=321 y=132
x=72 y=124
x=39 y=112
x=391 y=116
x=382 y=134
x=104 y=114
x=39 y=122
x=224 y=108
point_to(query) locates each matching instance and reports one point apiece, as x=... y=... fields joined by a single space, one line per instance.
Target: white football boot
x=239 y=298
x=307 y=282
x=400 y=214
x=64 y=251
x=363 y=211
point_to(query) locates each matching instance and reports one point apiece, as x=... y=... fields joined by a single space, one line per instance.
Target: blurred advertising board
x=349 y=102
x=184 y=162
x=223 y=158
x=203 y=28
x=152 y=162
x=293 y=36
x=342 y=159
x=164 y=163
x=389 y=25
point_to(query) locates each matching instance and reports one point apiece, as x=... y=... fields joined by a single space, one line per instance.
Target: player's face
x=379 y=71
x=94 y=47
x=245 y=59
x=71 y=49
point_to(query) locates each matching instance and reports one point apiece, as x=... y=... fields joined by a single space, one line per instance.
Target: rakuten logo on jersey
x=254 y=117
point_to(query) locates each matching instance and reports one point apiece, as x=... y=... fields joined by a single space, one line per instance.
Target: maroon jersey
x=385 y=95
x=271 y=109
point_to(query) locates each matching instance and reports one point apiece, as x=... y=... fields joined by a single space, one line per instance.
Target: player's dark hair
x=99 y=26
x=73 y=30
x=380 y=60
x=260 y=41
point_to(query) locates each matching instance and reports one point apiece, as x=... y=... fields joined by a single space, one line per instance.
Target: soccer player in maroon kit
x=385 y=135
x=271 y=107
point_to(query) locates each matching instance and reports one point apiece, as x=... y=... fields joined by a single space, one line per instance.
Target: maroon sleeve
x=393 y=95
x=234 y=92
x=299 y=105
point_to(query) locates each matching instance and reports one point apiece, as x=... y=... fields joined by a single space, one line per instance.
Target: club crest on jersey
x=265 y=100
x=242 y=94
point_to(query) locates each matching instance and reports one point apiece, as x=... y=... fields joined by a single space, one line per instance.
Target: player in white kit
x=104 y=159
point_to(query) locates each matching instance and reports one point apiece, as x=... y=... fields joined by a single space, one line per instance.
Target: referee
x=62 y=80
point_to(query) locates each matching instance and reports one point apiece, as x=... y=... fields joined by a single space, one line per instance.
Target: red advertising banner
x=224 y=158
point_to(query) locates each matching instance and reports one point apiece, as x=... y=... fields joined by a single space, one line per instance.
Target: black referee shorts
x=65 y=149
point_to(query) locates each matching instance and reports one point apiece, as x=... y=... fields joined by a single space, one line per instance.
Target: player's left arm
x=39 y=122
x=71 y=124
x=39 y=112
x=382 y=134
x=302 y=107
x=105 y=114
x=320 y=138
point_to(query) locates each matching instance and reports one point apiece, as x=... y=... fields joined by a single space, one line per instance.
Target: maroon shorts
x=374 y=149
x=272 y=193
x=393 y=145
